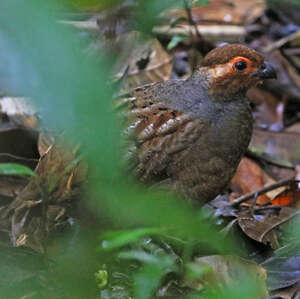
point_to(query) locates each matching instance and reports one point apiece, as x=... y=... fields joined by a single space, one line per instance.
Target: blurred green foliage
x=45 y=61
x=15 y=169
x=176 y=39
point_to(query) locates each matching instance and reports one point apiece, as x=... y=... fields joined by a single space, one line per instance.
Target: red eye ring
x=240 y=65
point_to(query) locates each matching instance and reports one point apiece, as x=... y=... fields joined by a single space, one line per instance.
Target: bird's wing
x=155 y=133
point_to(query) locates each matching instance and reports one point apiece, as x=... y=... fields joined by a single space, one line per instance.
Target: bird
x=189 y=135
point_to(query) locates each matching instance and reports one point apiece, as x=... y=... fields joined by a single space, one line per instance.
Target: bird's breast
x=206 y=167
x=229 y=132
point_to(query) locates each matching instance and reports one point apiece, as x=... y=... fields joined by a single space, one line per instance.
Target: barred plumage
x=191 y=134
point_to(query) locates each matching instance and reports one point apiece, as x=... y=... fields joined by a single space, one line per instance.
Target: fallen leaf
x=46 y=200
x=263 y=227
x=287 y=198
x=12 y=186
x=286 y=87
x=269 y=108
x=295 y=128
x=291 y=292
x=226 y=272
x=282 y=148
x=283 y=270
x=223 y=11
x=249 y=178
x=268 y=180
x=278 y=173
x=141 y=63
x=45 y=143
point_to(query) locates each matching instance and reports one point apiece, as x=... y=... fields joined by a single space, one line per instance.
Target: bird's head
x=233 y=69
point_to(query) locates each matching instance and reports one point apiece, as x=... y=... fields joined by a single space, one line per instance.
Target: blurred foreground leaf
x=15 y=169
x=154 y=266
x=283 y=269
x=228 y=272
x=117 y=239
x=176 y=39
x=46 y=61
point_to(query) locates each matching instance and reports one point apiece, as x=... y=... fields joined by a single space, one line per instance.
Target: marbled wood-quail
x=191 y=134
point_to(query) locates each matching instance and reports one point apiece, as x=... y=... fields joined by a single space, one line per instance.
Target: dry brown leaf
x=278 y=173
x=224 y=11
x=46 y=200
x=295 y=128
x=293 y=55
x=262 y=228
x=268 y=180
x=287 y=86
x=292 y=292
x=249 y=178
x=142 y=62
x=270 y=109
x=234 y=11
x=227 y=271
x=282 y=147
x=10 y=187
x=45 y=142
x=290 y=48
x=290 y=197
x=287 y=198
x=292 y=72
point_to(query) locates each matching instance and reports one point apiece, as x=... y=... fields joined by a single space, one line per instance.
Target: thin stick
x=205 y=47
x=262 y=191
x=188 y=10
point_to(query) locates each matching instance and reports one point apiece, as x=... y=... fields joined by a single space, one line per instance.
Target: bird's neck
x=219 y=91
x=200 y=78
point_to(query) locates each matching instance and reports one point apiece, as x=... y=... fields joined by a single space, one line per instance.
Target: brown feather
x=226 y=53
x=192 y=133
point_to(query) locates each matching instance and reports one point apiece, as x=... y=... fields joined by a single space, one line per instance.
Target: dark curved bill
x=266 y=71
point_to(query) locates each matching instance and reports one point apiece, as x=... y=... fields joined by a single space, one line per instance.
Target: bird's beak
x=266 y=71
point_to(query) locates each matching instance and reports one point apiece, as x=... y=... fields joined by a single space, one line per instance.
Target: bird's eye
x=240 y=65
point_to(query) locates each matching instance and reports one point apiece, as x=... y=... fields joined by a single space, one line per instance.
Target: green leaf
x=140 y=256
x=148 y=278
x=176 y=39
x=15 y=169
x=200 y=2
x=147 y=281
x=117 y=239
x=101 y=277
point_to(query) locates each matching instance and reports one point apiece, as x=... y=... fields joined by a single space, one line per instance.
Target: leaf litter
x=33 y=206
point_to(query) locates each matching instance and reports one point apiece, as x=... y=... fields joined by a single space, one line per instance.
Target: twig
x=188 y=10
x=18 y=157
x=267 y=207
x=211 y=33
x=261 y=191
x=279 y=43
x=204 y=46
